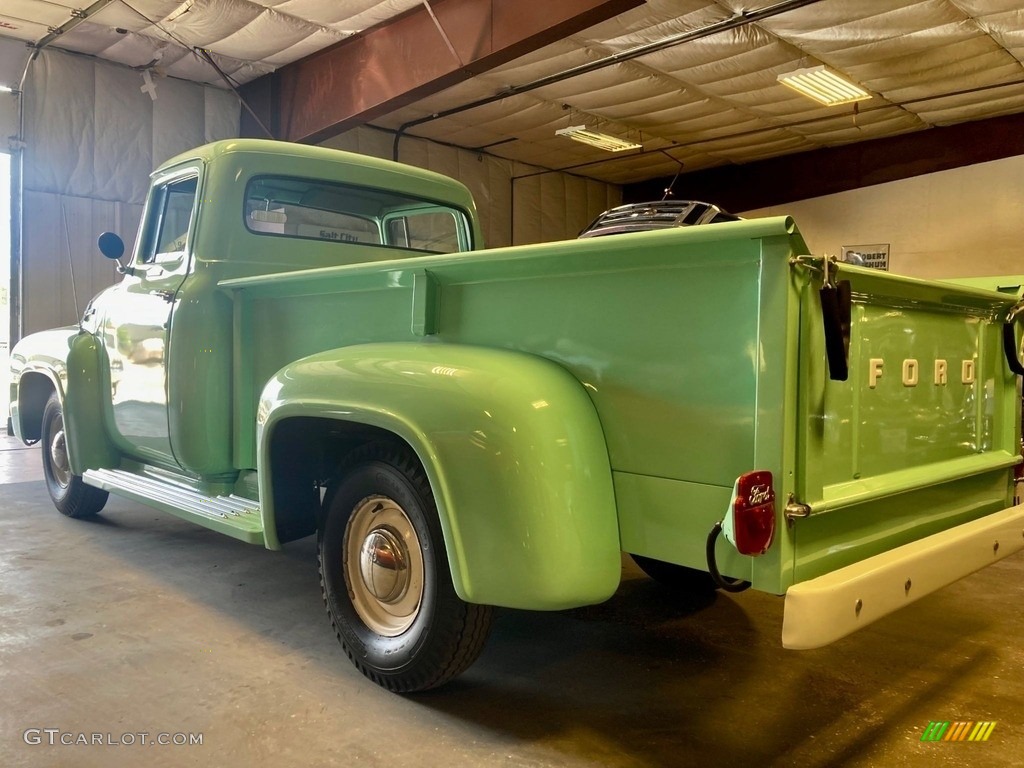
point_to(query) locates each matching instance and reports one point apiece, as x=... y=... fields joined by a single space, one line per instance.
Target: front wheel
x=70 y=495
x=385 y=578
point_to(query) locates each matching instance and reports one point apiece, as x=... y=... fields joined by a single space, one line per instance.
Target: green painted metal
x=679 y=358
x=425 y=303
x=1009 y=284
x=836 y=539
x=44 y=355
x=674 y=402
x=199 y=377
x=513 y=448
x=84 y=424
x=211 y=430
x=909 y=445
x=661 y=328
x=661 y=507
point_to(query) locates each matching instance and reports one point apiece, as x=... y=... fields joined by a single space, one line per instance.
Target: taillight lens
x=753 y=513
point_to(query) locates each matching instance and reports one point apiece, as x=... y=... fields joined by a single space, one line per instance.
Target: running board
x=232 y=515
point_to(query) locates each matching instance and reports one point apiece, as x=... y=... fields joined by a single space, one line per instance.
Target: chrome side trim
x=233 y=515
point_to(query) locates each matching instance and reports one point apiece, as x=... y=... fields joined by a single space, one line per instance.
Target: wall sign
x=875 y=256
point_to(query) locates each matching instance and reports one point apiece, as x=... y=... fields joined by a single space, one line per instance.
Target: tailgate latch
x=795 y=510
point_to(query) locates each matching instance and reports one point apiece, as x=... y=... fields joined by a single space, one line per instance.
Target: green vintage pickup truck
x=307 y=341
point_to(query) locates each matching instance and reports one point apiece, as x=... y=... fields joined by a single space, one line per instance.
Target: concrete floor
x=139 y=622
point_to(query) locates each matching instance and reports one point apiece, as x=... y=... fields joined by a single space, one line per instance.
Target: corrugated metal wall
x=92 y=136
x=13 y=55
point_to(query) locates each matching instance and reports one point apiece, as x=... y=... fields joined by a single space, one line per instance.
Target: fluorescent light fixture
x=824 y=86
x=603 y=141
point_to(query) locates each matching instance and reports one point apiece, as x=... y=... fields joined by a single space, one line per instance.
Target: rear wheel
x=385 y=578
x=678 y=578
x=70 y=495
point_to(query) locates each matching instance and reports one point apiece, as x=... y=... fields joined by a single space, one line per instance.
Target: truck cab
x=165 y=327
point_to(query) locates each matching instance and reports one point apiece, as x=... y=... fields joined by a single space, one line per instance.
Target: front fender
x=38 y=366
x=513 y=449
x=85 y=402
x=74 y=364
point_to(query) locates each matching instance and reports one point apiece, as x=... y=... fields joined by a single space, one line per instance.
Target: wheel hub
x=383 y=562
x=59 y=457
x=384 y=565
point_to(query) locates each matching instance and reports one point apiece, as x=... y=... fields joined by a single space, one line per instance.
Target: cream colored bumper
x=822 y=610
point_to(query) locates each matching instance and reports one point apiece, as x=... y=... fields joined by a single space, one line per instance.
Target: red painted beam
x=406 y=59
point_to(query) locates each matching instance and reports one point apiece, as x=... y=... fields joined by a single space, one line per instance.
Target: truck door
x=137 y=317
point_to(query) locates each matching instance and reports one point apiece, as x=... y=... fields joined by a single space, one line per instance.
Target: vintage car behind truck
x=307 y=341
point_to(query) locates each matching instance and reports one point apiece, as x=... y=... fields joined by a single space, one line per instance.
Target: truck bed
x=703 y=353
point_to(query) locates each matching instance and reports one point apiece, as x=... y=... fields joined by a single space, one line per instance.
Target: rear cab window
x=281 y=206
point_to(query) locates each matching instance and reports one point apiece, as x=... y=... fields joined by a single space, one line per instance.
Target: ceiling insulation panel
x=711 y=100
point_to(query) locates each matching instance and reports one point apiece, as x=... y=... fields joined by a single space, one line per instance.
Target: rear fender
x=511 y=444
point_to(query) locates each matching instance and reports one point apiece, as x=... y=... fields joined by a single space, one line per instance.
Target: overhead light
x=603 y=141
x=824 y=86
x=7 y=89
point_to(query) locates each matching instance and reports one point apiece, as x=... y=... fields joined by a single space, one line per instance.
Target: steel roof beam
x=426 y=50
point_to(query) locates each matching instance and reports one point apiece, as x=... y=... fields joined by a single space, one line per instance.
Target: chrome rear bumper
x=825 y=609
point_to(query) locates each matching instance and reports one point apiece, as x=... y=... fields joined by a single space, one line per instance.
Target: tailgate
x=921 y=437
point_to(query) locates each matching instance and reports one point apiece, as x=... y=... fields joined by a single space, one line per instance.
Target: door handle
x=166 y=295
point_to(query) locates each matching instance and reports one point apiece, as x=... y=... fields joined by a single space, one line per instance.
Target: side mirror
x=112 y=246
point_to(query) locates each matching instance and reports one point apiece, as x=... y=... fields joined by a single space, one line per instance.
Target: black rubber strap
x=1010 y=348
x=835 y=316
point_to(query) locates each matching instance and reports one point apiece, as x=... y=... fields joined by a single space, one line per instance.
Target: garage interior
x=137 y=621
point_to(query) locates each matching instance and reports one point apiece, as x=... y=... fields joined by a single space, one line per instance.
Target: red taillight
x=753 y=513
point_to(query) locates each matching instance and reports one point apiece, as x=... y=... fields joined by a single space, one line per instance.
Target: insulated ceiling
x=716 y=100
x=710 y=101
x=247 y=38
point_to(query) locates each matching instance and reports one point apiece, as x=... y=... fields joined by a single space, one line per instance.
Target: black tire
x=678 y=578
x=70 y=495
x=392 y=603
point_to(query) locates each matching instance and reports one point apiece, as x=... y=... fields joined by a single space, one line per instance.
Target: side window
x=434 y=231
x=169 y=218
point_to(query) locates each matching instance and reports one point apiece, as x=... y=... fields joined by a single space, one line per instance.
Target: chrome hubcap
x=383 y=566
x=59 y=457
